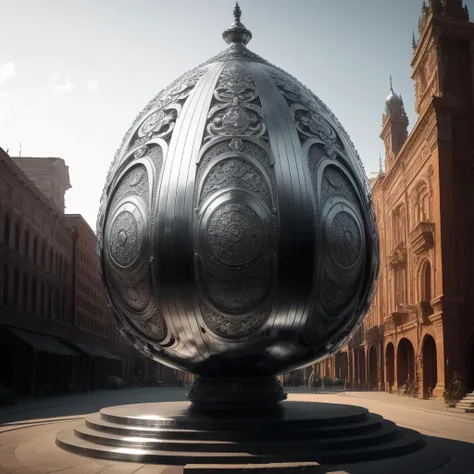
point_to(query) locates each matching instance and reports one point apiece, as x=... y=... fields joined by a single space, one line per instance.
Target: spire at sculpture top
x=237 y=12
x=237 y=33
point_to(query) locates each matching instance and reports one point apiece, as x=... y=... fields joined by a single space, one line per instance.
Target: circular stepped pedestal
x=174 y=434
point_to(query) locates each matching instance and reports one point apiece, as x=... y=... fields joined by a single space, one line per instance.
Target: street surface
x=28 y=430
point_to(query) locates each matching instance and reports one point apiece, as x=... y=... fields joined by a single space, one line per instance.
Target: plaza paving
x=28 y=430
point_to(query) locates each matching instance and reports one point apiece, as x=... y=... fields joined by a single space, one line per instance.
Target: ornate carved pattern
x=312 y=125
x=152 y=326
x=125 y=239
x=234 y=326
x=169 y=100
x=398 y=257
x=236 y=173
x=344 y=240
x=235 y=111
x=342 y=230
x=236 y=296
x=134 y=183
x=124 y=236
x=334 y=183
x=335 y=295
x=235 y=234
x=126 y=231
x=135 y=295
x=315 y=119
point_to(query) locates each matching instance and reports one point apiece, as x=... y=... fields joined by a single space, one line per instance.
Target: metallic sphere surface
x=236 y=234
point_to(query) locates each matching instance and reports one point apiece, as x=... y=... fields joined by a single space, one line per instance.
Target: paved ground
x=28 y=430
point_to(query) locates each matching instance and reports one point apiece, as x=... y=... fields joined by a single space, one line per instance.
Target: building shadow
x=81 y=404
x=461 y=455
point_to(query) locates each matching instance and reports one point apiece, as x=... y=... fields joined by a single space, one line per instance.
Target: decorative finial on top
x=237 y=33
x=391 y=87
x=237 y=12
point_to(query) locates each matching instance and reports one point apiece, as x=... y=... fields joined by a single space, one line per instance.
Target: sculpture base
x=224 y=394
x=298 y=432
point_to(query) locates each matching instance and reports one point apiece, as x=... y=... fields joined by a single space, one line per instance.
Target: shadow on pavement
x=85 y=403
x=460 y=461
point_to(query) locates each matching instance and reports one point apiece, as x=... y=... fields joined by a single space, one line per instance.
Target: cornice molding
x=46 y=205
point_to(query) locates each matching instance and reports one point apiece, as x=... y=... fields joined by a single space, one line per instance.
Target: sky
x=75 y=74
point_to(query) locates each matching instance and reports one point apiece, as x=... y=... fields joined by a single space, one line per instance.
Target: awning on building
x=95 y=351
x=43 y=342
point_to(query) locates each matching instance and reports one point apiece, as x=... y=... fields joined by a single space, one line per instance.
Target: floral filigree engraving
x=236 y=110
x=236 y=173
x=233 y=326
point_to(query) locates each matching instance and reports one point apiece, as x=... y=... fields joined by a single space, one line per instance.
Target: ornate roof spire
x=391 y=86
x=237 y=33
x=414 y=43
x=237 y=12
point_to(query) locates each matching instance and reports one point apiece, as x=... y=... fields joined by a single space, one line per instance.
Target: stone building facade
x=420 y=328
x=52 y=310
x=36 y=274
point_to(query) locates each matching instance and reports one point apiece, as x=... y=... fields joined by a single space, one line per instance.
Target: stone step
x=462 y=410
x=463 y=404
x=384 y=434
x=406 y=441
x=277 y=468
x=173 y=415
x=371 y=423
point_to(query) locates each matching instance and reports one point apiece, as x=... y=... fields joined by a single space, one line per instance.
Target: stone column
x=350 y=366
x=380 y=368
x=395 y=367
x=366 y=368
x=440 y=357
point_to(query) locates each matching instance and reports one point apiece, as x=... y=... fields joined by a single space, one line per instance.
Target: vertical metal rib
x=296 y=245
x=173 y=242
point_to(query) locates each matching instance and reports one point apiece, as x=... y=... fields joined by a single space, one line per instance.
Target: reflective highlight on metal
x=236 y=233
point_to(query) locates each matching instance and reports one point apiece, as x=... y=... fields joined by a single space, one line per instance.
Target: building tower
x=394 y=127
x=50 y=176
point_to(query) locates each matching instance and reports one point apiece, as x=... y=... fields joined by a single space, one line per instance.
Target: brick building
x=36 y=248
x=52 y=310
x=420 y=328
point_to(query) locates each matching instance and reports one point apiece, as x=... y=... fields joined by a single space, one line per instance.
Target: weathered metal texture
x=236 y=234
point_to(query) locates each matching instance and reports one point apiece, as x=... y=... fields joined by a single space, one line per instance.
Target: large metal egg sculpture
x=236 y=235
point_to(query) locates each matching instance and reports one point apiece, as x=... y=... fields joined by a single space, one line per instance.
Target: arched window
x=34 y=285
x=48 y=303
x=56 y=304
x=426 y=282
x=25 y=292
x=399 y=225
x=421 y=211
x=6 y=231
x=43 y=255
x=35 y=249
x=5 y=286
x=26 y=243
x=63 y=309
x=16 y=288
x=51 y=260
x=16 y=238
x=42 y=305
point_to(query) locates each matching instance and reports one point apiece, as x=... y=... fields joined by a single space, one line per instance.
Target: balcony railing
x=373 y=333
x=422 y=237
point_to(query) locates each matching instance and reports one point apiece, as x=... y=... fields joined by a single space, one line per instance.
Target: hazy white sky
x=74 y=74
